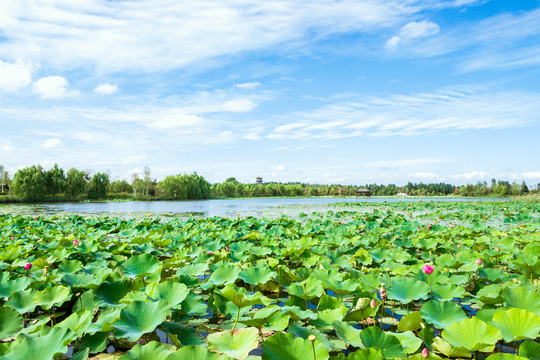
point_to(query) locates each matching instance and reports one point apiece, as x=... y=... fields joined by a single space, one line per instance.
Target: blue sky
x=320 y=91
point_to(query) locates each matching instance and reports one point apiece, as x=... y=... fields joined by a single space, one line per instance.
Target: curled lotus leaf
x=172 y=292
x=22 y=301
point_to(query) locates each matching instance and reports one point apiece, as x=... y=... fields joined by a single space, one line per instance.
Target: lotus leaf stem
x=237 y=317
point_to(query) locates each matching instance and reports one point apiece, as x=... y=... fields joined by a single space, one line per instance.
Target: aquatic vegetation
x=357 y=281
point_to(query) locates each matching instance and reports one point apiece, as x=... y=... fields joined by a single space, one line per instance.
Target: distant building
x=258 y=180
x=363 y=192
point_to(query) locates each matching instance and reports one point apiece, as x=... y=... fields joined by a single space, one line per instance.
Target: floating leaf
x=234 y=343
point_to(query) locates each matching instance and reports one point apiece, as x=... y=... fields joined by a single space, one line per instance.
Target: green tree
x=98 y=186
x=76 y=183
x=56 y=181
x=30 y=183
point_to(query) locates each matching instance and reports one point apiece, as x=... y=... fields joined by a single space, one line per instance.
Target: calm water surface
x=202 y=208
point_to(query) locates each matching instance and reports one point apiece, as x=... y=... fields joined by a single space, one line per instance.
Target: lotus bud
x=425 y=353
x=498 y=248
x=27 y=266
x=458 y=246
x=384 y=294
x=373 y=303
x=75 y=242
x=428 y=269
x=227 y=248
x=479 y=262
x=362 y=303
x=429 y=226
x=209 y=252
x=13 y=238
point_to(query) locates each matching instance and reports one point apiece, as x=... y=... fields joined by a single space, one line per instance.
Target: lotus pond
x=406 y=280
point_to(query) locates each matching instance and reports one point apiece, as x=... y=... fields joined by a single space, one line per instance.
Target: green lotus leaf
x=296 y=313
x=223 y=275
x=10 y=322
x=282 y=346
x=86 y=281
x=442 y=314
x=486 y=315
x=307 y=290
x=193 y=352
x=95 y=343
x=491 y=274
x=193 y=269
x=140 y=266
x=437 y=277
x=182 y=335
x=81 y=355
x=236 y=344
x=270 y=318
x=348 y=333
x=406 y=290
x=363 y=354
x=105 y=320
x=152 y=350
x=389 y=345
x=445 y=348
x=327 y=302
x=52 y=296
x=304 y=333
x=41 y=346
x=505 y=356
x=516 y=324
x=530 y=350
x=260 y=274
x=139 y=318
x=522 y=298
x=344 y=287
x=409 y=342
x=110 y=293
x=410 y=322
x=472 y=334
x=427 y=334
x=70 y=266
x=490 y=294
x=240 y=298
x=446 y=291
x=77 y=322
x=172 y=292
x=194 y=305
x=327 y=317
x=22 y=301
x=9 y=287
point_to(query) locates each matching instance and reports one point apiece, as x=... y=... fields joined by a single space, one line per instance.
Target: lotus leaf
x=257 y=275
x=105 y=320
x=81 y=355
x=270 y=318
x=110 y=293
x=223 y=275
x=282 y=346
x=236 y=344
x=10 y=322
x=348 y=333
x=193 y=352
x=442 y=314
x=9 y=287
x=22 y=301
x=406 y=290
x=141 y=265
x=517 y=324
x=522 y=299
x=304 y=332
x=152 y=350
x=41 y=346
x=409 y=342
x=410 y=322
x=182 y=335
x=78 y=322
x=504 y=356
x=172 y=292
x=446 y=291
x=307 y=290
x=530 y=350
x=472 y=334
x=389 y=345
x=445 y=348
x=239 y=297
x=139 y=318
x=52 y=296
x=95 y=343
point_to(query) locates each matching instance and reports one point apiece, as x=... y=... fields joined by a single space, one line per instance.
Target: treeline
x=36 y=184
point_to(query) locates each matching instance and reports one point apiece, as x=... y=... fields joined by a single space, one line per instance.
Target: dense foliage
x=360 y=281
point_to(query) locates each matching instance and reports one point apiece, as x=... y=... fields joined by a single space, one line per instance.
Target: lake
x=204 y=208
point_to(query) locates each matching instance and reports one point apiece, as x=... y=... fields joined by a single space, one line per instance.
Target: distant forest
x=36 y=184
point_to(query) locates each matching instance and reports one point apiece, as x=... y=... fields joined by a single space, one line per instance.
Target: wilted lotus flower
x=428 y=269
x=384 y=294
x=425 y=353
x=373 y=303
x=479 y=262
x=27 y=266
x=75 y=242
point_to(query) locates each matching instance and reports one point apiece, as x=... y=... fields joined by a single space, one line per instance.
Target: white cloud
x=112 y=36
x=413 y=30
x=248 y=85
x=52 y=87
x=106 y=89
x=531 y=175
x=177 y=121
x=471 y=175
x=278 y=168
x=424 y=175
x=239 y=105
x=51 y=143
x=14 y=76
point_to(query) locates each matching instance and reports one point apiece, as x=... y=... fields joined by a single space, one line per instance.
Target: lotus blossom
x=227 y=248
x=428 y=269
x=209 y=252
x=27 y=266
x=425 y=353
x=498 y=248
x=479 y=262
x=75 y=242
x=13 y=238
x=429 y=226
x=373 y=303
x=458 y=246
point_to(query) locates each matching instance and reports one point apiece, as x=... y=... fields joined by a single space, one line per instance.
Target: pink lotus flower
x=227 y=248
x=209 y=252
x=458 y=246
x=479 y=262
x=27 y=266
x=428 y=269
x=425 y=353
x=429 y=226
x=373 y=303
x=75 y=242
x=13 y=238
x=498 y=248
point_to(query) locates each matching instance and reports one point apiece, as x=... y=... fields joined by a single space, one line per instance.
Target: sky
x=320 y=91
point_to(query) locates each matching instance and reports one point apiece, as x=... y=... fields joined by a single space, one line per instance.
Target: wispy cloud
x=14 y=76
x=413 y=30
x=53 y=87
x=106 y=89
